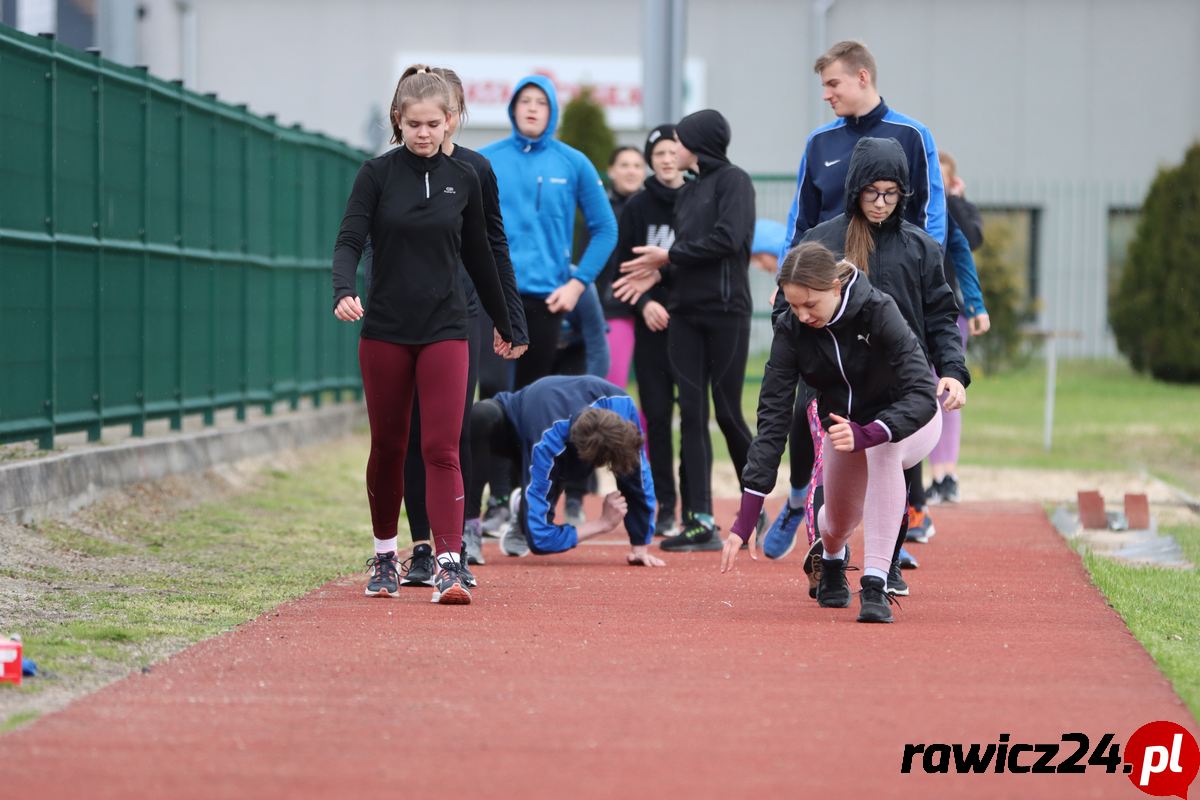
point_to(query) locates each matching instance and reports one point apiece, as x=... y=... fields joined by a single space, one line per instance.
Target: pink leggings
x=620 y=350
x=438 y=373
x=946 y=450
x=868 y=486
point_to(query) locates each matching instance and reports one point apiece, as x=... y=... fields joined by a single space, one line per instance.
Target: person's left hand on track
x=640 y=556
x=733 y=543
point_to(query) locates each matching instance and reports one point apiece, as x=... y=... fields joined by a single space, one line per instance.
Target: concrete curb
x=61 y=484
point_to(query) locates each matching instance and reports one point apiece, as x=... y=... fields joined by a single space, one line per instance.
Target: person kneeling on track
x=557 y=430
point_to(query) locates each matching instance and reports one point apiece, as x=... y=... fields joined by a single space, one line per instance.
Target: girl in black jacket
x=421 y=567
x=424 y=214
x=709 y=304
x=903 y=261
x=877 y=402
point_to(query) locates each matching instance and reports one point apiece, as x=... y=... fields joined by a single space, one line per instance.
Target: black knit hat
x=661 y=132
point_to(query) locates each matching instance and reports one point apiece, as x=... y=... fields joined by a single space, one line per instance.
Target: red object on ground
x=1137 y=511
x=10 y=661
x=1091 y=511
x=577 y=676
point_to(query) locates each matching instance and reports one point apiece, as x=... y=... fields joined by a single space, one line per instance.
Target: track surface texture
x=576 y=676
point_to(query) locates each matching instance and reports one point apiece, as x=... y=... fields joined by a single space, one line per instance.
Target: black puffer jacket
x=714 y=225
x=906 y=263
x=865 y=365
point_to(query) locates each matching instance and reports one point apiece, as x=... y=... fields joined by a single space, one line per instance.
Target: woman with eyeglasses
x=905 y=262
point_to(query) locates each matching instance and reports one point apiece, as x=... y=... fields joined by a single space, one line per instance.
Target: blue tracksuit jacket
x=821 y=183
x=541 y=182
x=542 y=414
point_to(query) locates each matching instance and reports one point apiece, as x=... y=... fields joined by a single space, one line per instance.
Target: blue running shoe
x=906 y=560
x=781 y=536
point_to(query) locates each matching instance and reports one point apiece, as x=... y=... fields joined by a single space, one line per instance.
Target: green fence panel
x=24 y=146
x=161 y=253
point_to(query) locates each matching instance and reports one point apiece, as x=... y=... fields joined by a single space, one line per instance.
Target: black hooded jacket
x=865 y=365
x=714 y=225
x=906 y=263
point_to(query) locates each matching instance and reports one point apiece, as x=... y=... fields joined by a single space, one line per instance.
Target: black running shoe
x=833 y=591
x=895 y=582
x=950 y=489
x=876 y=601
x=465 y=567
x=812 y=566
x=419 y=567
x=933 y=494
x=450 y=587
x=383 y=576
x=697 y=536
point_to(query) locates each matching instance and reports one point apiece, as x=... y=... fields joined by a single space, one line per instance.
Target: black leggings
x=656 y=388
x=545 y=328
x=495 y=453
x=709 y=352
x=414 y=463
x=495 y=373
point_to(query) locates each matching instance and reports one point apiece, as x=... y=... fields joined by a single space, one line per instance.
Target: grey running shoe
x=495 y=517
x=473 y=543
x=512 y=537
x=449 y=587
x=383 y=576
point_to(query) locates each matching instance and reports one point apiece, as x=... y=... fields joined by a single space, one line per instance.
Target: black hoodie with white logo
x=906 y=262
x=422 y=215
x=714 y=225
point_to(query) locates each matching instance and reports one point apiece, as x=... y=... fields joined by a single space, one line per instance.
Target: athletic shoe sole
x=898 y=592
x=381 y=593
x=454 y=596
x=812 y=567
x=415 y=582
x=874 y=617
x=703 y=547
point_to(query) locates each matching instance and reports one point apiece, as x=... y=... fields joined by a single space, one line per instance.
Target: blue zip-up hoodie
x=820 y=184
x=541 y=182
x=542 y=414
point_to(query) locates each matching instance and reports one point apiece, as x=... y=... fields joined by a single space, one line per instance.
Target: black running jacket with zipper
x=865 y=365
x=422 y=215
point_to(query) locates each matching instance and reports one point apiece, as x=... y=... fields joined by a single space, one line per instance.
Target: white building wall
x=1065 y=105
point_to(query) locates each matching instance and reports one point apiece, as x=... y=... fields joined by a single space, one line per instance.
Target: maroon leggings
x=438 y=372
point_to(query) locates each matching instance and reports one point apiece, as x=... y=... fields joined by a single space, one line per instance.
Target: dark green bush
x=1005 y=346
x=1155 y=310
x=584 y=127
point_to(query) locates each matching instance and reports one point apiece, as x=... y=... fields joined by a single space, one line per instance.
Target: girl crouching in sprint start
x=878 y=405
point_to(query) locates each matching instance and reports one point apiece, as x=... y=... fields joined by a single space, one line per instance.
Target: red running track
x=575 y=676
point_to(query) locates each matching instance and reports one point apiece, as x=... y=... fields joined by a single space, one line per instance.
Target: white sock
x=447 y=557
x=385 y=545
x=840 y=555
x=875 y=572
